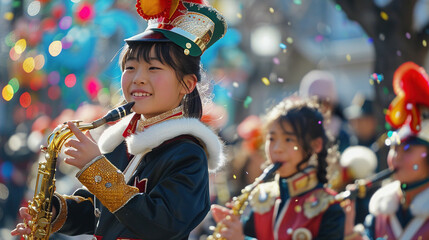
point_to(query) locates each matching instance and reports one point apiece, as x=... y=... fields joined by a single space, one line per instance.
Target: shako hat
x=408 y=111
x=191 y=24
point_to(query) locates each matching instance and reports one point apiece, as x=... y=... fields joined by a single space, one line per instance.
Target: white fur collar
x=158 y=133
x=386 y=200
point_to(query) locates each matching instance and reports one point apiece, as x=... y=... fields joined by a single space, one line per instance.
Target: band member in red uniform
x=296 y=205
x=400 y=210
x=147 y=177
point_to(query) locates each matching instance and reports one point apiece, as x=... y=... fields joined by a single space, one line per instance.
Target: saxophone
x=40 y=207
x=240 y=202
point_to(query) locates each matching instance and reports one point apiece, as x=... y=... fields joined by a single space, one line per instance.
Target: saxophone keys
x=30 y=223
x=43 y=222
x=40 y=233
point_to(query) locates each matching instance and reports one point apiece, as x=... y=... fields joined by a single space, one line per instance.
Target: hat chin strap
x=413 y=185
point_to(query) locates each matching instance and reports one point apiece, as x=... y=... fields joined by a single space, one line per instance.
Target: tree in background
x=397 y=35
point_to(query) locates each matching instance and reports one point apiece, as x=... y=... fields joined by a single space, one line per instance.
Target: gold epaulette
x=107 y=183
x=317 y=202
x=263 y=197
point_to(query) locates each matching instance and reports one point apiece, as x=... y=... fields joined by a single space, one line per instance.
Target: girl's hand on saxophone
x=22 y=228
x=232 y=227
x=81 y=150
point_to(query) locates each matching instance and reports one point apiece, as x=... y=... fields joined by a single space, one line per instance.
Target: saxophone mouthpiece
x=270 y=170
x=114 y=114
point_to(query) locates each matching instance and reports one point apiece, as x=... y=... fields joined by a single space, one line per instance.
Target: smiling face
x=152 y=85
x=282 y=145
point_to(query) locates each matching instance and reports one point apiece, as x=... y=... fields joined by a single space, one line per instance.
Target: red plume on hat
x=191 y=24
x=411 y=85
x=158 y=8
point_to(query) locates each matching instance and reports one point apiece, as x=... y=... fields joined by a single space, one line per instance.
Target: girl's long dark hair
x=172 y=55
x=307 y=124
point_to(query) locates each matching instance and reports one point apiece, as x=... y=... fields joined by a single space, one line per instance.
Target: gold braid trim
x=107 y=183
x=61 y=217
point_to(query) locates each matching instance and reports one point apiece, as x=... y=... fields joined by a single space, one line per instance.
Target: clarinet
x=362 y=185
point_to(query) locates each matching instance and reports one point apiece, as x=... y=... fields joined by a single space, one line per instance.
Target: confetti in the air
x=375 y=77
x=276 y=61
x=408 y=35
x=337 y=7
x=348 y=57
x=266 y=81
x=247 y=101
x=384 y=16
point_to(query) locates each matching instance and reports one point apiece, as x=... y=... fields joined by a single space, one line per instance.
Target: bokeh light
x=13 y=55
x=37 y=82
x=8 y=16
x=32 y=111
x=6 y=169
x=7 y=92
x=264 y=40
x=39 y=62
x=33 y=8
x=85 y=12
x=49 y=24
x=70 y=80
x=65 y=22
x=28 y=65
x=10 y=39
x=25 y=100
x=93 y=86
x=67 y=42
x=54 y=78
x=14 y=83
x=20 y=46
x=55 y=48
x=54 y=92
x=104 y=96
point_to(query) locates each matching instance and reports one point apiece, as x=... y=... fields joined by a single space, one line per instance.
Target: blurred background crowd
x=59 y=62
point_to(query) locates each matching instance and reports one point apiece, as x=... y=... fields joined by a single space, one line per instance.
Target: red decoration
x=85 y=12
x=140 y=184
x=250 y=129
x=411 y=85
